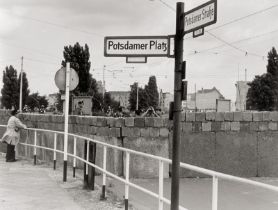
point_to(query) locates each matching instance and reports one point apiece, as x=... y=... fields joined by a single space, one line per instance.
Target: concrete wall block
x=145 y=132
x=257 y=116
x=129 y=121
x=135 y=132
x=166 y=122
x=244 y=126
x=158 y=122
x=125 y=131
x=254 y=126
x=186 y=127
x=229 y=116
x=92 y=130
x=101 y=122
x=111 y=121
x=266 y=116
x=190 y=147
x=238 y=116
x=235 y=126
x=216 y=126
x=141 y=167
x=236 y=153
x=120 y=122
x=219 y=116
x=163 y=132
x=190 y=117
x=72 y=119
x=267 y=154
x=225 y=126
x=206 y=126
x=247 y=116
x=154 y=132
x=272 y=126
x=139 y=122
x=197 y=126
x=200 y=117
x=263 y=126
x=210 y=116
x=273 y=116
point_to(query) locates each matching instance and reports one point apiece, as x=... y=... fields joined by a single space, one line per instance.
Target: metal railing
x=161 y=161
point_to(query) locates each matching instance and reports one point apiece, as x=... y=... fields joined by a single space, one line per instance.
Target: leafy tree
x=25 y=88
x=9 y=91
x=152 y=92
x=109 y=101
x=142 y=98
x=35 y=100
x=79 y=56
x=263 y=92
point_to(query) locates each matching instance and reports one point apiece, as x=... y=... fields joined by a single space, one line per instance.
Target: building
x=164 y=100
x=203 y=100
x=121 y=96
x=242 y=88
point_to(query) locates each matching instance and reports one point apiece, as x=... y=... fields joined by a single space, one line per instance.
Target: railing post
x=160 y=191
x=127 y=179
x=104 y=174
x=87 y=159
x=214 y=192
x=74 y=154
x=54 y=152
x=35 y=149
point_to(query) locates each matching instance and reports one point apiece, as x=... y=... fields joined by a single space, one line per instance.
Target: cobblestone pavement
x=24 y=186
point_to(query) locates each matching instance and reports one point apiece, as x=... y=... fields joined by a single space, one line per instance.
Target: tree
x=263 y=92
x=152 y=92
x=142 y=98
x=78 y=57
x=9 y=91
x=25 y=88
x=35 y=100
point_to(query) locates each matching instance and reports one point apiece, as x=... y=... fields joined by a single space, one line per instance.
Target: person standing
x=12 y=134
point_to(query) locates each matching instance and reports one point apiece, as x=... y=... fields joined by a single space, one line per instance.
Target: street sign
x=136 y=46
x=60 y=79
x=200 y=17
x=136 y=59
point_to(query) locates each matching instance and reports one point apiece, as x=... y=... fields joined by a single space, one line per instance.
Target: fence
x=161 y=161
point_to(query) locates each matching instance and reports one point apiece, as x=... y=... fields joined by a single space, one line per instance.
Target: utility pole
x=245 y=75
x=20 y=94
x=175 y=182
x=103 y=81
x=137 y=98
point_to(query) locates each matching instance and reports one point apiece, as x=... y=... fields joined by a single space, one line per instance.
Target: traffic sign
x=200 y=17
x=60 y=79
x=136 y=46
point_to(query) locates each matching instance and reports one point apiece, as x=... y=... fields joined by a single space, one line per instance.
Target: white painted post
x=127 y=160
x=104 y=174
x=87 y=166
x=74 y=154
x=35 y=149
x=160 y=191
x=66 y=121
x=214 y=192
x=54 y=152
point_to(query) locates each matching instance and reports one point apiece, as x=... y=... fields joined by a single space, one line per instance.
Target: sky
x=38 y=30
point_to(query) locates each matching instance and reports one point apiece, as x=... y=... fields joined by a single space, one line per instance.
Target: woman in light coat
x=11 y=136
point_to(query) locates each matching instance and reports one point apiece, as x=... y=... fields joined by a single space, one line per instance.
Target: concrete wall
x=238 y=143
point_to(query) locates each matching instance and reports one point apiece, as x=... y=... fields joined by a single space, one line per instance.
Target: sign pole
x=177 y=107
x=66 y=121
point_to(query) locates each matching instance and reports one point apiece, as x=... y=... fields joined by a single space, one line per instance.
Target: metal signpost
x=136 y=49
x=66 y=79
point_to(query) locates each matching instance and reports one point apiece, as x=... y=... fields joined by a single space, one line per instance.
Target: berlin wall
x=238 y=143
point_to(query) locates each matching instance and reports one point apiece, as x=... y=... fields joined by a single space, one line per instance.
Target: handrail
x=161 y=160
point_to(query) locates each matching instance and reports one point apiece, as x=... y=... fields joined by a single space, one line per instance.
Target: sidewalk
x=24 y=186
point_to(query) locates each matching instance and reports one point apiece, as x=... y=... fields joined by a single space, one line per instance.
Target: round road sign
x=60 y=79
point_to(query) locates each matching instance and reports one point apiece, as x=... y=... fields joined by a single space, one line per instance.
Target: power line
x=244 y=17
x=55 y=24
